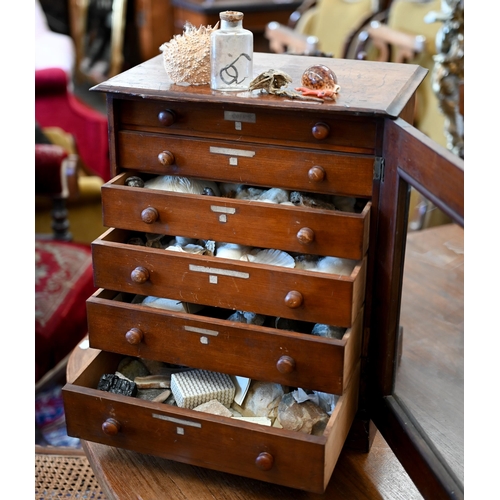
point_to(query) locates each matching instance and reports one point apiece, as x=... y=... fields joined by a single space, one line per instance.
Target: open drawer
x=271 y=290
x=295 y=229
x=202 y=341
x=270 y=454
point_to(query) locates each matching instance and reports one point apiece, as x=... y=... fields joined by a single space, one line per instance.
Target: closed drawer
x=249 y=163
x=307 y=128
x=295 y=359
x=267 y=225
x=269 y=454
x=229 y=284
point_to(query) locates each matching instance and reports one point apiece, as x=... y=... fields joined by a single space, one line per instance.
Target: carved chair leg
x=60 y=222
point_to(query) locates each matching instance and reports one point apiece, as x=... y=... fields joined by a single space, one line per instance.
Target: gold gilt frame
x=78 y=18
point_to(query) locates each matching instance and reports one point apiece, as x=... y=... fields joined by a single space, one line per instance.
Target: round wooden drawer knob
x=111 y=427
x=167 y=117
x=320 y=130
x=305 y=235
x=316 y=174
x=134 y=336
x=149 y=215
x=166 y=158
x=139 y=275
x=264 y=461
x=294 y=299
x=285 y=365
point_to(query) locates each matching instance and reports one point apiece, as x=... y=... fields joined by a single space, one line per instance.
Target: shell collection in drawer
x=285 y=226
x=230 y=284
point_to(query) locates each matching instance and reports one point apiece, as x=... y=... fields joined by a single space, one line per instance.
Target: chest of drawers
x=328 y=149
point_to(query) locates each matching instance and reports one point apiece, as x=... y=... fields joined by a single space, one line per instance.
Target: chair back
x=57 y=106
x=333 y=22
x=403 y=34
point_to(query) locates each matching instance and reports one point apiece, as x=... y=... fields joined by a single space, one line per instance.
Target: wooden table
x=378 y=474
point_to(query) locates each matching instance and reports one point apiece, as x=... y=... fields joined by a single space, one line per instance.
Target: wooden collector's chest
x=254 y=142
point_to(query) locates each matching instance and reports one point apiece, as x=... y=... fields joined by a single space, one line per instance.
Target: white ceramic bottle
x=231 y=54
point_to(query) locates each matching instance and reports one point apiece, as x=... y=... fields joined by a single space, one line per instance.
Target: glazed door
x=416 y=350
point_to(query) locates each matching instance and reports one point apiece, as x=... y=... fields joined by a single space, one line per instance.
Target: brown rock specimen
x=306 y=417
x=262 y=400
x=215 y=408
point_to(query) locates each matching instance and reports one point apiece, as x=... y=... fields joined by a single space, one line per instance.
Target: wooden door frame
x=410 y=159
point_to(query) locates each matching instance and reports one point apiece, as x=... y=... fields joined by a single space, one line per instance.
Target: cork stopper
x=231 y=16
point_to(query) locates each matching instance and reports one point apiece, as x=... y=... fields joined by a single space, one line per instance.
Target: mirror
x=429 y=379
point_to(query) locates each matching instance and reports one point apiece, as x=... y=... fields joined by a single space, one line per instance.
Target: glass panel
x=430 y=372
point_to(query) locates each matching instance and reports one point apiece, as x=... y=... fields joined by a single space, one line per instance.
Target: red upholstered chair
x=83 y=130
x=57 y=106
x=63 y=269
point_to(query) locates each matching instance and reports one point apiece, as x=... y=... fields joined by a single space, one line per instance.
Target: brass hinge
x=378 y=169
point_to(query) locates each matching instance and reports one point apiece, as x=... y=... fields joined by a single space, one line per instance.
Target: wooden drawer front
x=296 y=460
x=296 y=169
x=247 y=123
x=289 y=358
x=266 y=225
x=314 y=297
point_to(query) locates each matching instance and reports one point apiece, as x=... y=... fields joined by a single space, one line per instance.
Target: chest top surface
x=367 y=88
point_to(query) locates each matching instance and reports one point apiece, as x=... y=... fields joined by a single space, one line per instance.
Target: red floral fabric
x=63 y=282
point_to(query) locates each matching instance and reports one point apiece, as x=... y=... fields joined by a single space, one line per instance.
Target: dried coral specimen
x=186 y=57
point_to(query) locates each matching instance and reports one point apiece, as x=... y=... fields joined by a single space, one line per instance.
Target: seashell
x=274 y=195
x=271 y=80
x=249 y=318
x=315 y=201
x=231 y=250
x=328 y=331
x=248 y=193
x=306 y=262
x=186 y=57
x=270 y=257
x=134 y=181
x=320 y=77
x=181 y=184
x=189 y=248
x=336 y=265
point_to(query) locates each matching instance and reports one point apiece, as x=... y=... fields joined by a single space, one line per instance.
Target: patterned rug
x=50 y=419
x=63 y=283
